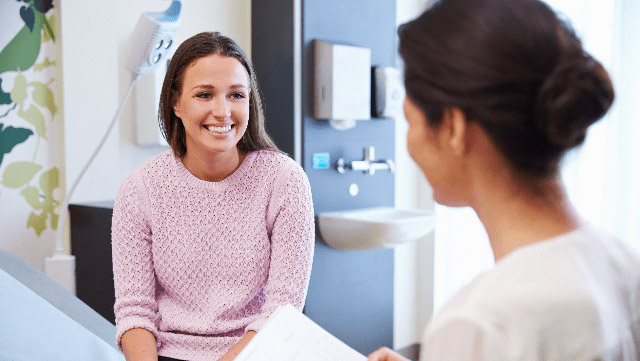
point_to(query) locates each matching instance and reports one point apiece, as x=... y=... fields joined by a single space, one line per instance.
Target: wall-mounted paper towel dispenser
x=342 y=86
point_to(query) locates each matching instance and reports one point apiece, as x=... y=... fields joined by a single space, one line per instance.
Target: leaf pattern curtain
x=30 y=188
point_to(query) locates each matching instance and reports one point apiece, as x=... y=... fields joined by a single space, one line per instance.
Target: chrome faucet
x=367 y=165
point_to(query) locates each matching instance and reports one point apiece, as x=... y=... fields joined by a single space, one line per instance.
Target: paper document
x=289 y=335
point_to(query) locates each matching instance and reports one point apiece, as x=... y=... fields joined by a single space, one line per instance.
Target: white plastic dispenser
x=389 y=92
x=342 y=89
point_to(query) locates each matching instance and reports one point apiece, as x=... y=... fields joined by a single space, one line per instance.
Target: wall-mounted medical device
x=342 y=88
x=148 y=52
x=152 y=39
x=147 y=99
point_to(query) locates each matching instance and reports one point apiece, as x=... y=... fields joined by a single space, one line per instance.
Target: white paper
x=289 y=335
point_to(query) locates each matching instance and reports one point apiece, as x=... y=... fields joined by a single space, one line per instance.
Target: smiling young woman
x=212 y=236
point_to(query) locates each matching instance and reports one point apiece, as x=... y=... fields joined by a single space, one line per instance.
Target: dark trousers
x=165 y=358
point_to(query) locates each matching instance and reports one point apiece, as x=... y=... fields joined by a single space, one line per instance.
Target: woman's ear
x=176 y=109
x=175 y=99
x=455 y=126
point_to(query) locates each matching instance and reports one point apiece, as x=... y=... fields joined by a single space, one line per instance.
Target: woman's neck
x=213 y=167
x=516 y=214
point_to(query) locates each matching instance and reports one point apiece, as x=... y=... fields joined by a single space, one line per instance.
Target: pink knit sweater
x=200 y=263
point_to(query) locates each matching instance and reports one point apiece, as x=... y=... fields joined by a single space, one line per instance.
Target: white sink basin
x=374 y=227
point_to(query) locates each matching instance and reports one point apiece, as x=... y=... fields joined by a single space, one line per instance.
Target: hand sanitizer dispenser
x=342 y=89
x=389 y=92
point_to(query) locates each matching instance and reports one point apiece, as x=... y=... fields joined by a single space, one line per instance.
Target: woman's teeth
x=221 y=130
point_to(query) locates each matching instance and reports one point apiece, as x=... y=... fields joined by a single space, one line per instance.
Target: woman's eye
x=238 y=96
x=203 y=95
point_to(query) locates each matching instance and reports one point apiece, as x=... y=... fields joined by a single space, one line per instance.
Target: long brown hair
x=514 y=68
x=192 y=49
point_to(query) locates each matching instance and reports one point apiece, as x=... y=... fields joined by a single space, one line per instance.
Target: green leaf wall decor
x=19 y=91
x=43 y=96
x=29 y=17
x=34 y=116
x=23 y=49
x=5 y=98
x=47 y=34
x=31 y=95
x=32 y=196
x=45 y=63
x=49 y=181
x=10 y=137
x=38 y=222
x=18 y=174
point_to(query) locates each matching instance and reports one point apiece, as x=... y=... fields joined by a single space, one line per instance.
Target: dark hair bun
x=514 y=68
x=576 y=94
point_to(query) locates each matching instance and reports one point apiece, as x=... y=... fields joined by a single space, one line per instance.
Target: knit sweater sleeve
x=292 y=243
x=133 y=271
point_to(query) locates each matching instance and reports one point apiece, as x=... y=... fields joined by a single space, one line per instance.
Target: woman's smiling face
x=214 y=104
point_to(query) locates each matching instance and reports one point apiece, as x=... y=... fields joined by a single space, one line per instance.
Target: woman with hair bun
x=497 y=92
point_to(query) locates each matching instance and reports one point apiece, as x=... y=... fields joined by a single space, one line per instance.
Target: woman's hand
x=385 y=354
x=235 y=350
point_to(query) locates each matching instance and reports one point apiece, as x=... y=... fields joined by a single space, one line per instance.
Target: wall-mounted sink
x=374 y=227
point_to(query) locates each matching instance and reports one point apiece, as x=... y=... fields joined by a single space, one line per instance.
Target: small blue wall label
x=321 y=160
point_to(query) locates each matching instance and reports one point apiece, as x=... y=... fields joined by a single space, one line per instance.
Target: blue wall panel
x=350 y=292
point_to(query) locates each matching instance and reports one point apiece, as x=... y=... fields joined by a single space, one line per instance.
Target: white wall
x=90 y=94
x=626 y=77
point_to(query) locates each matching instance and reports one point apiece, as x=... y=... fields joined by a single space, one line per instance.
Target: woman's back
x=572 y=297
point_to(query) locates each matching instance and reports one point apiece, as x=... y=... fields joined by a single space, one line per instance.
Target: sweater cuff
x=257 y=324
x=132 y=322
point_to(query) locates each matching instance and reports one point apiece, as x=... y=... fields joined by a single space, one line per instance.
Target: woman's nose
x=220 y=108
